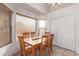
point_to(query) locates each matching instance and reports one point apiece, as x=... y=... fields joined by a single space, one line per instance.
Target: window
x=5 y=25
x=42 y=27
x=24 y=24
x=41 y=23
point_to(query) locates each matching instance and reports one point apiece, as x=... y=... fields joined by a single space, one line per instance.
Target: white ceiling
x=42 y=7
x=38 y=8
x=22 y=7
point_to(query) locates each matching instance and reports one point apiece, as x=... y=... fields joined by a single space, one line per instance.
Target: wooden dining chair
x=47 y=33
x=33 y=34
x=50 y=44
x=26 y=35
x=25 y=50
x=43 y=45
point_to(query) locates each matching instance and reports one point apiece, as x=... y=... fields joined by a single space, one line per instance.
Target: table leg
x=33 y=50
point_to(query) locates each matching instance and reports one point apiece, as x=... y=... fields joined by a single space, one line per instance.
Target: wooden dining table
x=33 y=42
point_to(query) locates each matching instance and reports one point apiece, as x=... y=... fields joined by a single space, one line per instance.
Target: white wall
x=77 y=32
x=65 y=25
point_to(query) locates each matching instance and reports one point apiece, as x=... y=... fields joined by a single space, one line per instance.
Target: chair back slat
x=47 y=33
x=33 y=34
x=44 y=39
x=21 y=42
x=51 y=38
x=26 y=35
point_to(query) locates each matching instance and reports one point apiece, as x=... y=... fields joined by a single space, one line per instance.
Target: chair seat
x=27 y=47
x=27 y=44
x=28 y=50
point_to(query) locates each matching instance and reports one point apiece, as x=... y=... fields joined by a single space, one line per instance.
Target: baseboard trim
x=77 y=51
x=66 y=48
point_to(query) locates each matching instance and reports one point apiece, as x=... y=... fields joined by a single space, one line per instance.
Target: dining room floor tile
x=57 y=51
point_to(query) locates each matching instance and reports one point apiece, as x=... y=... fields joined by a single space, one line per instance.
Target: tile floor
x=58 y=51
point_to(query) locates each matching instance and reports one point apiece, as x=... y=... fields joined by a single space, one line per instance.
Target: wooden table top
x=33 y=42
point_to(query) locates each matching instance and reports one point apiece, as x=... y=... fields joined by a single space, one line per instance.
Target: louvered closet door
x=64 y=31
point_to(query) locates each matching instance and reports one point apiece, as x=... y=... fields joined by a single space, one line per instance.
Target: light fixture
x=53 y=4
